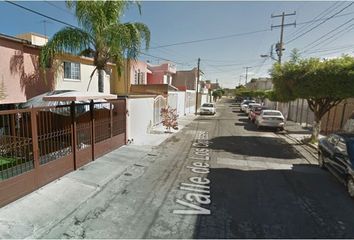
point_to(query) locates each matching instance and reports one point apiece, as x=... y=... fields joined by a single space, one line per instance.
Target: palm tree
x=101 y=35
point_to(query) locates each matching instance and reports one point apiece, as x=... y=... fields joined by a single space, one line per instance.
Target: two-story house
x=21 y=77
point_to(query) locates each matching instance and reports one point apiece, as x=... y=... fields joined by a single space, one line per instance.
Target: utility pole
x=280 y=45
x=196 y=94
x=247 y=73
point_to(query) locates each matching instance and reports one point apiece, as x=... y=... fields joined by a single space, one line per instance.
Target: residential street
x=260 y=187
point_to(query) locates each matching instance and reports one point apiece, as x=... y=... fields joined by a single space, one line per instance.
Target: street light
x=268 y=56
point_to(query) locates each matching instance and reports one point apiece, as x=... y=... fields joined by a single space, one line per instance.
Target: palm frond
x=67 y=40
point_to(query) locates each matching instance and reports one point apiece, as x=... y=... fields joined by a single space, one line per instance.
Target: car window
x=207 y=105
x=350 y=149
x=342 y=146
x=272 y=113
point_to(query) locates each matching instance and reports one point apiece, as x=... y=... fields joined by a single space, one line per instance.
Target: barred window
x=72 y=70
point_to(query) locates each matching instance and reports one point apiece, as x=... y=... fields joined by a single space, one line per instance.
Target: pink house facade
x=20 y=77
x=139 y=72
x=161 y=74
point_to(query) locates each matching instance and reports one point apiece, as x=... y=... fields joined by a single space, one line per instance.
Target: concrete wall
x=204 y=98
x=177 y=100
x=190 y=102
x=139 y=119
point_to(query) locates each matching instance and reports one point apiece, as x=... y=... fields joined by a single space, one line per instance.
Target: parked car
x=208 y=108
x=270 y=118
x=245 y=103
x=255 y=111
x=250 y=106
x=336 y=153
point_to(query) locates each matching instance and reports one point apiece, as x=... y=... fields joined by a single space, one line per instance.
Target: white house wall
x=139 y=119
x=82 y=84
x=177 y=100
x=190 y=101
x=204 y=99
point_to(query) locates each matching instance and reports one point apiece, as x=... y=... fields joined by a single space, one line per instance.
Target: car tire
x=321 y=162
x=350 y=186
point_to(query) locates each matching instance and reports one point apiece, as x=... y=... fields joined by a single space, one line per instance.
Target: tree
x=101 y=35
x=323 y=83
x=169 y=118
x=218 y=93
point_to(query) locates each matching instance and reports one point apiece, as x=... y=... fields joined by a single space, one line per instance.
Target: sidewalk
x=299 y=133
x=31 y=215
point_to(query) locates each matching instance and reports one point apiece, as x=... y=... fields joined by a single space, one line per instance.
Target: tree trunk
x=316 y=129
x=101 y=80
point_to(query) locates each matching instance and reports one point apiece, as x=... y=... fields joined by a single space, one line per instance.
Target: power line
x=321 y=39
x=313 y=20
x=211 y=39
x=41 y=14
x=316 y=26
x=60 y=8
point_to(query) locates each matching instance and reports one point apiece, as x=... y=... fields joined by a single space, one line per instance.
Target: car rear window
x=272 y=113
x=207 y=105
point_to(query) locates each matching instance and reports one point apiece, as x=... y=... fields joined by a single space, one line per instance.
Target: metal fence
x=39 y=145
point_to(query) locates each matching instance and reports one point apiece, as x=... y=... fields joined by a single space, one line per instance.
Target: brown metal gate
x=36 y=145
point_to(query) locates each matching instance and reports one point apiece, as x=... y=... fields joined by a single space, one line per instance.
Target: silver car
x=207 y=108
x=270 y=118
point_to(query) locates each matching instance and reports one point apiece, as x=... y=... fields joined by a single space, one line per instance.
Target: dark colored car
x=255 y=111
x=336 y=153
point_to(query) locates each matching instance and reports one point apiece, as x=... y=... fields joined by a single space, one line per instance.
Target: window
x=142 y=78
x=136 y=78
x=72 y=70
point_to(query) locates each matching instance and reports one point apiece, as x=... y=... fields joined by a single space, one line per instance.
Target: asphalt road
x=252 y=184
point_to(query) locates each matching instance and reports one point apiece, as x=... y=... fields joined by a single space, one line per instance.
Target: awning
x=79 y=96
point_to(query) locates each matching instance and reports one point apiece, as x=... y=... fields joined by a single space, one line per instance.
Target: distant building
x=260 y=84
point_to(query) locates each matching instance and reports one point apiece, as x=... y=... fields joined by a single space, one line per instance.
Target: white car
x=245 y=103
x=248 y=108
x=208 y=108
x=270 y=118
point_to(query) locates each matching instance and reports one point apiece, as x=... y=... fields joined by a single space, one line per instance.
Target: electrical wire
x=310 y=23
x=316 y=26
x=322 y=39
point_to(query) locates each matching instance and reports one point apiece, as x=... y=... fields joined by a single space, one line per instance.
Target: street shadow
x=298 y=131
x=243 y=120
x=271 y=147
x=33 y=80
x=301 y=202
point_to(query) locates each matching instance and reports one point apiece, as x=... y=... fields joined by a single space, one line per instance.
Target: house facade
x=185 y=80
x=20 y=75
x=161 y=74
x=74 y=73
x=260 y=84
